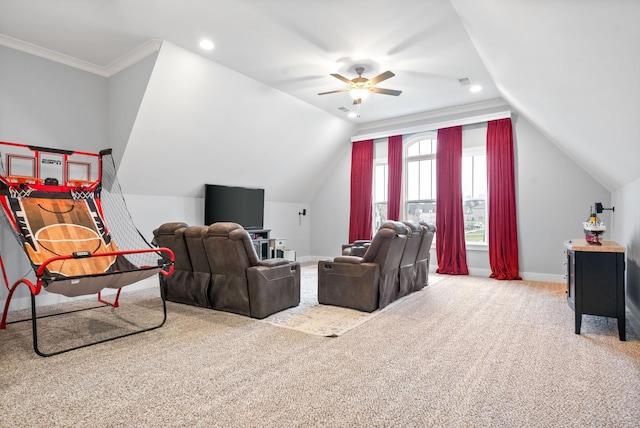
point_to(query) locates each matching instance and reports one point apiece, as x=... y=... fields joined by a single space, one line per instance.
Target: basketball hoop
x=20 y=191
x=79 y=194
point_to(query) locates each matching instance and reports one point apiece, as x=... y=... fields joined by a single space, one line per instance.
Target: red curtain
x=451 y=250
x=503 y=230
x=395 y=177
x=360 y=222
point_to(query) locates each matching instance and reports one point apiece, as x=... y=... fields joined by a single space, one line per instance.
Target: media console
x=267 y=247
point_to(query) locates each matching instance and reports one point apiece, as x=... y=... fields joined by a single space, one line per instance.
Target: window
x=474 y=195
x=419 y=182
x=420 y=179
x=380 y=187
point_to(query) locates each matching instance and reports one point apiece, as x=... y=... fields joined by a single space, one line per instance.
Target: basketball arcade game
x=56 y=203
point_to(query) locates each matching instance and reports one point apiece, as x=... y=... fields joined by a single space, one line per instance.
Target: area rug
x=325 y=320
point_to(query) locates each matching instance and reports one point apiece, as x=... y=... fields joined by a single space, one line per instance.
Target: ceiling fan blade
x=385 y=91
x=333 y=92
x=344 y=79
x=379 y=78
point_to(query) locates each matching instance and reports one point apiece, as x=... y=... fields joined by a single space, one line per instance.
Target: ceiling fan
x=360 y=87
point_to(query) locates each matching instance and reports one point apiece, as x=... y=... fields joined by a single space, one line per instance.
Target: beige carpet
x=324 y=320
x=466 y=352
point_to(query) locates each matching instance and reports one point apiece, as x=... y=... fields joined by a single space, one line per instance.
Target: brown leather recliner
x=409 y=257
x=193 y=236
x=243 y=284
x=422 y=260
x=365 y=283
x=185 y=285
x=356 y=248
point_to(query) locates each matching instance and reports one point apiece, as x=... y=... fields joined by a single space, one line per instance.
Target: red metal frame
x=37 y=287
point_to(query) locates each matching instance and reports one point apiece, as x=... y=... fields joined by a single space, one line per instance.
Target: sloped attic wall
x=570 y=67
x=202 y=123
x=126 y=90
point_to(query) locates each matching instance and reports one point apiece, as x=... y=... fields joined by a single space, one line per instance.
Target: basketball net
x=79 y=194
x=21 y=191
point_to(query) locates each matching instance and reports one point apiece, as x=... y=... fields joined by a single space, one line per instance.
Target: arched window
x=420 y=178
x=380 y=184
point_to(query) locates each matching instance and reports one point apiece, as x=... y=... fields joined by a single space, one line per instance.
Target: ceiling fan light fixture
x=359 y=93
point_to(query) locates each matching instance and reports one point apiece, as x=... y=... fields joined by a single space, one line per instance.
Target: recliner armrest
x=354 y=260
x=274 y=262
x=273 y=288
x=351 y=285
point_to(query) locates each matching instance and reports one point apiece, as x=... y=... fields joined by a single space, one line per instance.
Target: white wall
x=626 y=201
x=330 y=209
x=200 y=122
x=126 y=90
x=149 y=212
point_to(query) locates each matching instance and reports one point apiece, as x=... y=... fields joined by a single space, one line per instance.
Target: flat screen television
x=241 y=205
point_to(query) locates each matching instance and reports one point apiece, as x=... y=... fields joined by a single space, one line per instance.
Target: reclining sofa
x=395 y=263
x=217 y=267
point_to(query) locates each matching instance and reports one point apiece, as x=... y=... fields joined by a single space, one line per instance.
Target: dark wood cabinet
x=595 y=281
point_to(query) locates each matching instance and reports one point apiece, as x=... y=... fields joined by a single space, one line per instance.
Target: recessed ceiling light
x=206 y=44
x=352 y=114
x=475 y=88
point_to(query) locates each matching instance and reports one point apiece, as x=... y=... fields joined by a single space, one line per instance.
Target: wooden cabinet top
x=581 y=244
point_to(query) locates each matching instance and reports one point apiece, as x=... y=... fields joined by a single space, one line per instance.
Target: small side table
x=595 y=281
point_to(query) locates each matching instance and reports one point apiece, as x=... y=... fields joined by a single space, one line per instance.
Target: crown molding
x=128 y=59
x=428 y=121
x=144 y=50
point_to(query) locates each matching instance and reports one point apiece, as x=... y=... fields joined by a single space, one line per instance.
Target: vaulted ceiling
x=570 y=67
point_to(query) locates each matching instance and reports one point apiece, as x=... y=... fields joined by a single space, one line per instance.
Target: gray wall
x=47 y=104
x=51 y=105
x=554 y=197
x=627 y=232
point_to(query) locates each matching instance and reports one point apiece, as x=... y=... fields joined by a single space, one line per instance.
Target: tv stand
x=267 y=247
x=260 y=238
x=259 y=233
